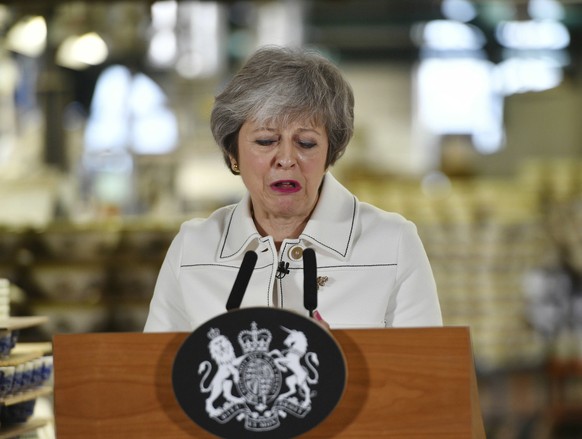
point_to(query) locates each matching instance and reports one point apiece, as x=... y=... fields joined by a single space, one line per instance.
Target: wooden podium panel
x=402 y=383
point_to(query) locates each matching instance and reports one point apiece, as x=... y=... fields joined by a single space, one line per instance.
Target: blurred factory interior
x=466 y=123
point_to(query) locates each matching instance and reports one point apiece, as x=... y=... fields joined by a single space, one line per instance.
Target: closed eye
x=305 y=144
x=265 y=142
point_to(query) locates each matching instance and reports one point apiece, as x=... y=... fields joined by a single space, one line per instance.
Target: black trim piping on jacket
x=354 y=200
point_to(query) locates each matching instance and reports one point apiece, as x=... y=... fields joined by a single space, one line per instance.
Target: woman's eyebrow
x=263 y=129
x=313 y=130
x=300 y=129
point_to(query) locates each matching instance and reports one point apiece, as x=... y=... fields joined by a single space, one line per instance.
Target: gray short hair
x=285 y=84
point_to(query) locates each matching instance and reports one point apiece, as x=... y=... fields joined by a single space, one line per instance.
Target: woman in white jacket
x=282 y=122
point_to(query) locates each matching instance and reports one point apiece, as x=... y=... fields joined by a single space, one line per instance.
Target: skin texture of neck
x=280 y=228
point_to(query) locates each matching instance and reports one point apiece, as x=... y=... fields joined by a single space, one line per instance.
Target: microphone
x=282 y=270
x=309 y=280
x=242 y=280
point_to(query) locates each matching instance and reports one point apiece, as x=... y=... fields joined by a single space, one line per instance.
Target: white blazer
x=374 y=270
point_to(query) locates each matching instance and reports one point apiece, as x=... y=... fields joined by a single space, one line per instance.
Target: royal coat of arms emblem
x=261 y=385
x=273 y=373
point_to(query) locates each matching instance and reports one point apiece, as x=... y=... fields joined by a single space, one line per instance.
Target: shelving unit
x=95 y=277
x=17 y=323
x=22 y=353
x=16 y=430
x=26 y=396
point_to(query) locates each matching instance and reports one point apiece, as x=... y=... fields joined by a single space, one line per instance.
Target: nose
x=286 y=154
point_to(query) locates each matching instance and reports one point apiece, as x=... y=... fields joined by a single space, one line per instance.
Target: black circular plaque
x=259 y=372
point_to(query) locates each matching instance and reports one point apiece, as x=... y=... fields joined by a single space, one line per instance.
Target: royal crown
x=255 y=339
x=213 y=333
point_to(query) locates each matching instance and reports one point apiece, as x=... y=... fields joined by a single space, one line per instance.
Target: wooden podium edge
x=166 y=346
x=477 y=424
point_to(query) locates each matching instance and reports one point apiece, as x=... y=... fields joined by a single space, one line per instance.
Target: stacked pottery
x=19 y=379
x=4 y=298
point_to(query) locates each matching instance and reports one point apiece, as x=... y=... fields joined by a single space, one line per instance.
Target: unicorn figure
x=290 y=360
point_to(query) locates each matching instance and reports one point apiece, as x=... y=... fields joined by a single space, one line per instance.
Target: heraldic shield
x=259 y=372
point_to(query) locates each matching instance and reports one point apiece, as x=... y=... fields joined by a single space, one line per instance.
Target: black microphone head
x=309 y=280
x=242 y=280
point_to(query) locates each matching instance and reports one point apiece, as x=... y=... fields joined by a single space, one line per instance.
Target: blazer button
x=295 y=253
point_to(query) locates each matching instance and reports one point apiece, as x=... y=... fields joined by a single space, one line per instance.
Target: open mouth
x=286 y=185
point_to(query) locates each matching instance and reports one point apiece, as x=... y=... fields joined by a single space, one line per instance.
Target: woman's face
x=282 y=167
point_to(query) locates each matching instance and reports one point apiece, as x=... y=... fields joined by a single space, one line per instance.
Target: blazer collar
x=330 y=229
x=332 y=224
x=239 y=231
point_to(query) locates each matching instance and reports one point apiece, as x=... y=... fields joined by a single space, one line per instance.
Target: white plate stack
x=4 y=298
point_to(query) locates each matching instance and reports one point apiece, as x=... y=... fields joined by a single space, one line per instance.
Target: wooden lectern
x=402 y=383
